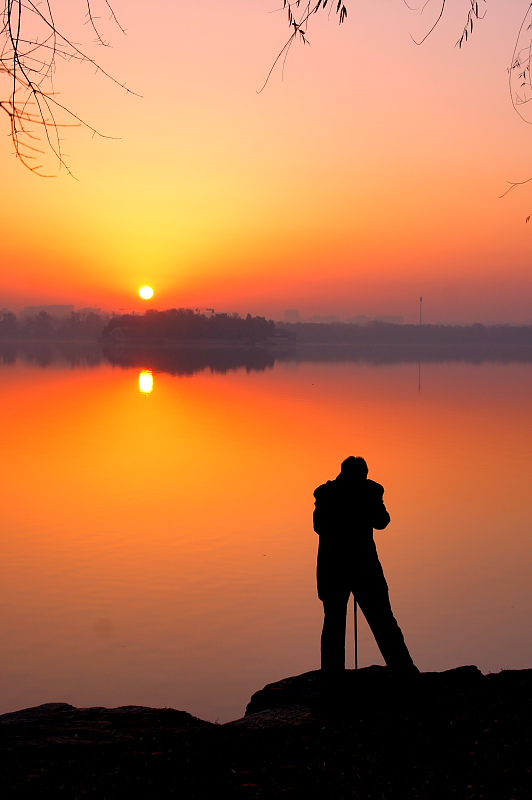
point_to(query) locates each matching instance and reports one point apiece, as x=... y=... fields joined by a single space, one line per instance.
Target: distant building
x=54 y=311
x=291 y=315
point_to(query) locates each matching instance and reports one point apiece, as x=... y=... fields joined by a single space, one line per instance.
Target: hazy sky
x=364 y=175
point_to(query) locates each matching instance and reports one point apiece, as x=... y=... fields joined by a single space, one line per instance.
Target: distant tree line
x=394 y=334
x=185 y=323
x=43 y=325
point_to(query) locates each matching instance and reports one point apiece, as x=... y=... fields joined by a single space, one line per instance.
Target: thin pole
x=420 y=308
x=355 y=625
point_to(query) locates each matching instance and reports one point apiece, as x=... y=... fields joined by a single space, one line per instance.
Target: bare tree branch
x=513 y=185
x=30 y=45
x=519 y=74
x=299 y=24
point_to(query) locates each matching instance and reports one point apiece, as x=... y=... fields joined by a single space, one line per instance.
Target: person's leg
x=374 y=602
x=333 y=633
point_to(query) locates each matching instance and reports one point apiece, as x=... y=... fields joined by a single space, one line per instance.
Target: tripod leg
x=355 y=625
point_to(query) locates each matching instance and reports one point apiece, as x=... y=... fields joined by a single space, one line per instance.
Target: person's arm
x=320 y=517
x=379 y=514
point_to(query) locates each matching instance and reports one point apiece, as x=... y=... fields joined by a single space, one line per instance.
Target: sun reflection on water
x=146 y=381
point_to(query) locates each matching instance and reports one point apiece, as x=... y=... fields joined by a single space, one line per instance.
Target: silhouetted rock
x=367 y=690
x=54 y=723
x=455 y=735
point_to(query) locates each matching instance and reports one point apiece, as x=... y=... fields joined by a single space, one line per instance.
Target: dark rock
x=279 y=716
x=370 y=689
x=53 y=723
x=302 y=689
x=455 y=735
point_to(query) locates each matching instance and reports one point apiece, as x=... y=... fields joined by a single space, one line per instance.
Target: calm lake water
x=157 y=542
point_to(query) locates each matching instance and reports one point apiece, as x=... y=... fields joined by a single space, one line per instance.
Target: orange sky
x=365 y=176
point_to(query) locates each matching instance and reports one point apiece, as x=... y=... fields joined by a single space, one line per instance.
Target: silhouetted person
x=347 y=510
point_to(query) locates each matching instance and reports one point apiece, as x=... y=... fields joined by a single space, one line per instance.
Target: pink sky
x=364 y=175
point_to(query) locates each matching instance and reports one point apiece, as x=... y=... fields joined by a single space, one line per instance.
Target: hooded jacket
x=349 y=507
x=346 y=512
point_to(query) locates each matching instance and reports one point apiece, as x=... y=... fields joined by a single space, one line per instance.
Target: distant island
x=186 y=325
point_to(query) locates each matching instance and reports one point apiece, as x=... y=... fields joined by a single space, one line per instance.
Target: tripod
x=355 y=627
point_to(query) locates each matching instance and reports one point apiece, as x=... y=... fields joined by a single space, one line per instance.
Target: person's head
x=354 y=467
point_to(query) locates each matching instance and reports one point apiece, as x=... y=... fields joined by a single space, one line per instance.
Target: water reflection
x=46 y=353
x=185 y=575
x=191 y=360
x=146 y=381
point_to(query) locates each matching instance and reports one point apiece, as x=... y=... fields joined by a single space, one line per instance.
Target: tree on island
x=32 y=42
x=186 y=324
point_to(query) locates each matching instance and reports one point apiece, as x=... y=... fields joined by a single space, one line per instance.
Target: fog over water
x=157 y=515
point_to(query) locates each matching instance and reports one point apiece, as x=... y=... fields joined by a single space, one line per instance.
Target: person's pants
x=374 y=602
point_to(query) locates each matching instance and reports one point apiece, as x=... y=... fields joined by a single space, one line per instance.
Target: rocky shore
x=373 y=736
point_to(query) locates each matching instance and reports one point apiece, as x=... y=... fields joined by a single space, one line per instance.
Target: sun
x=146 y=292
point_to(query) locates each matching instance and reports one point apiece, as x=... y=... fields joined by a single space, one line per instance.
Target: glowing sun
x=146 y=292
